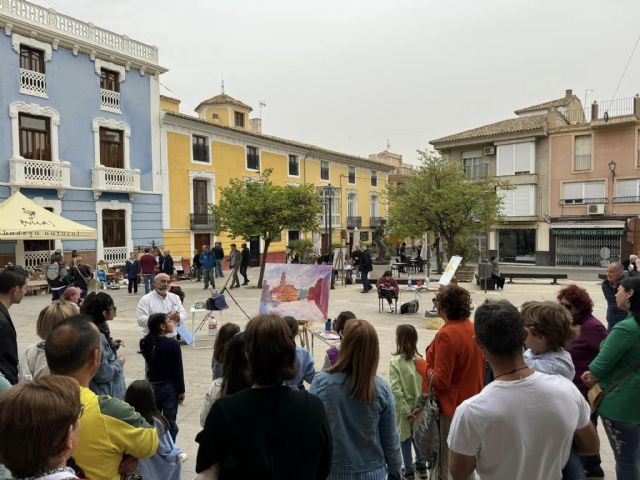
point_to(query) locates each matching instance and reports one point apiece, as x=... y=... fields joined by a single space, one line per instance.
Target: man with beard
x=160 y=300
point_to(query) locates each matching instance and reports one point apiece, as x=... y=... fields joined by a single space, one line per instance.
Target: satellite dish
x=605 y=253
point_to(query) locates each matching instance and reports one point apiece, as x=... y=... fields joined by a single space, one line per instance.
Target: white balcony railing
x=59 y=24
x=110 y=101
x=115 y=256
x=107 y=179
x=40 y=173
x=32 y=260
x=33 y=83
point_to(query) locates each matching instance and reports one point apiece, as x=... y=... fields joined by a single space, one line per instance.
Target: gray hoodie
x=551 y=363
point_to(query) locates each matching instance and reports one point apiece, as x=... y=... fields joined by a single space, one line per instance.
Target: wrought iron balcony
x=631 y=199
x=107 y=179
x=582 y=201
x=375 y=221
x=354 y=222
x=201 y=221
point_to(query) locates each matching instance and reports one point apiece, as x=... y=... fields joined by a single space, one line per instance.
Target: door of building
x=200 y=200
x=200 y=239
x=254 y=251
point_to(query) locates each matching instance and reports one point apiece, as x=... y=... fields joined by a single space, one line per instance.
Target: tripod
x=224 y=289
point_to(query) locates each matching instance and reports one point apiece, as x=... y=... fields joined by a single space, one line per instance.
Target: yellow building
x=201 y=154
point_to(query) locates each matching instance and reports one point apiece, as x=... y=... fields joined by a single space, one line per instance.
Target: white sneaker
x=391 y=310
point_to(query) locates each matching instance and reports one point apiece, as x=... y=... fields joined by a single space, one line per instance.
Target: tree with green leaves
x=258 y=208
x=438 y=198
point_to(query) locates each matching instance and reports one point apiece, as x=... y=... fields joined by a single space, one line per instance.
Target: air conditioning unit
x=595 y=209
x=490 y=150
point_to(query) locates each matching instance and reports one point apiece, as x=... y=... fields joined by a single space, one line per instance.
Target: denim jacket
x=109 y=379
x=365 y=437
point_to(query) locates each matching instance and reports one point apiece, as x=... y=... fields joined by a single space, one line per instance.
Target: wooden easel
x=339 y=265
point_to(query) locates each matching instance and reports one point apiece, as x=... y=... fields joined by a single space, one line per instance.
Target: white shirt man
x=160 y=300
x=521 y=426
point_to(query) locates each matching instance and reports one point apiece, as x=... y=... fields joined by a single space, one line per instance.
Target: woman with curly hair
x=454 y=362
x=583 y=350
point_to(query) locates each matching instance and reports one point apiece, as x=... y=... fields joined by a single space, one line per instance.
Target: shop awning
x=23 y=219
x=610 y=228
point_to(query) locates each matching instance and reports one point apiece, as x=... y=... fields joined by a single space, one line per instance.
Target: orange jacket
x=457 y=365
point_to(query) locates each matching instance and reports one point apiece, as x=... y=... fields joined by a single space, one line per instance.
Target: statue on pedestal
x=378 y=240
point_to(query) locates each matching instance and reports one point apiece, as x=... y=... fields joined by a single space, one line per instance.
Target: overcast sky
x=350 y=74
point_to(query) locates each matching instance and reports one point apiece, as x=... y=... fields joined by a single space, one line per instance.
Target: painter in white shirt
x=160 y=300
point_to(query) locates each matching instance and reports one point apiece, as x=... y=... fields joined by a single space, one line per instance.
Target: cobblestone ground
x=197 y=363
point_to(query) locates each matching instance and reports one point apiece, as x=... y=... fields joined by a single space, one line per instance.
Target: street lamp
x=612 y=167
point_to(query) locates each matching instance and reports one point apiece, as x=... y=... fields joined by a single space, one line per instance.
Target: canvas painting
x=301 y=291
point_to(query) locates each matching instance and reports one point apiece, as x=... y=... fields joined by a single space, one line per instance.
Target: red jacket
x=390 y=284
x=457 y=364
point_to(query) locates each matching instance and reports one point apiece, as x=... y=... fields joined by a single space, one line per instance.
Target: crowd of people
x=514 y=389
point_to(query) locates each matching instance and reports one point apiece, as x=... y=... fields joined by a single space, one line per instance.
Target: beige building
x=515 y=150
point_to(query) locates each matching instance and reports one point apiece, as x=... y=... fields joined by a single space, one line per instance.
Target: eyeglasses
x=81 y=411
x=566 y=305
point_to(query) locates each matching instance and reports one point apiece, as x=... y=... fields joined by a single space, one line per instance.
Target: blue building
x=79 y=131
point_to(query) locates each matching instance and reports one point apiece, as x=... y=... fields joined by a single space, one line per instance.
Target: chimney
x=568 y=93
x=255 y=125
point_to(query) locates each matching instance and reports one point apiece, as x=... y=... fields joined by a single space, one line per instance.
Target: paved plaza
x=197 y=363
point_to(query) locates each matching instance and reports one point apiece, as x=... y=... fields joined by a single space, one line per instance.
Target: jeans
x=243 y=272
x=407 y=456
x=148 y=282
x=592 y=463
x=133 y=285
x=208 y=277
x=56 y=294
x=366 y=286
x=574 y=470
x=166 y=399
x=218 y=266
x=624 y=438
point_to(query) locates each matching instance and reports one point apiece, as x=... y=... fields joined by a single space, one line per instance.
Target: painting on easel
x=301 y=291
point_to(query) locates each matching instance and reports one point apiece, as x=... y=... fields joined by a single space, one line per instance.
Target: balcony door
x=113 y=228
x=200 y=197
x=35 y=137
x=111 y=148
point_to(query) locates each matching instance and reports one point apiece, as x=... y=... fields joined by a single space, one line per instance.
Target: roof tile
x=512 y=125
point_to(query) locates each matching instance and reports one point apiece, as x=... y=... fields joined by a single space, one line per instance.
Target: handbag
x=426 y=434
x=595 y=395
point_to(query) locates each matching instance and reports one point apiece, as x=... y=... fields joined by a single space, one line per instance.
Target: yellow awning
x=23 y=219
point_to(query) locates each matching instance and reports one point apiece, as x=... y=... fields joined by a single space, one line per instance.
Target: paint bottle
x=327 y=325
x=426 y=282
x=409 y=283
x=213 y=327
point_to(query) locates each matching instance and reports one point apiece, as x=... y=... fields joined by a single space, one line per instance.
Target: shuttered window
x=516 y=159
x=519 y=202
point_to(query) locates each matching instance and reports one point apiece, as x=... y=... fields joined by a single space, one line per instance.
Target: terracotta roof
x=224 y=99
x=560 y=102
x=173 y=99
x=312 y=148
x=512 y=125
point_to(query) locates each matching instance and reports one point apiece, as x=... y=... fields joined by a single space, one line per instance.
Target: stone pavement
x=197 y=363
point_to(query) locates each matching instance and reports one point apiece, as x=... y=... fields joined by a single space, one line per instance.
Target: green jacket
x=618 y=353
x=406 y=385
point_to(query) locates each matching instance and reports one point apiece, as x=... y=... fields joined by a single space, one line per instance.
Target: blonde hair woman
x=33 y=363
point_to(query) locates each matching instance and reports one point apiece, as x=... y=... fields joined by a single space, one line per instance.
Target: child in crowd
x=338 y=326
x=235 y=375
x=406 y=385
x=164 y=367
x=549 y=329
x=73 y=296
x=166 y=464
x=226 y=333
x=304 y=360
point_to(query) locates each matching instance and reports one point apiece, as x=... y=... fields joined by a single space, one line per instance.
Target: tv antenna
x=261 y=105
x=222 y=83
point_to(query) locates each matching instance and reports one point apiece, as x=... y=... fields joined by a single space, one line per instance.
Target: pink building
x=594 y=183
